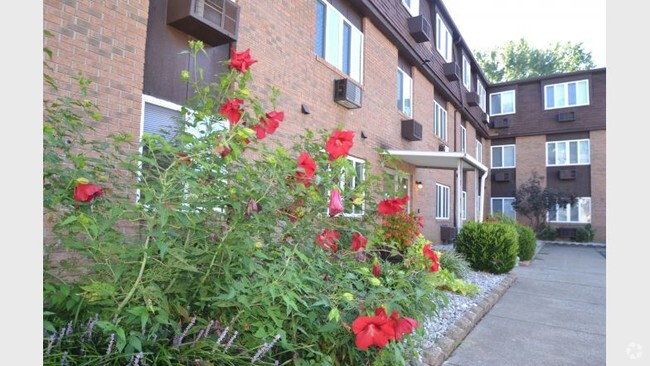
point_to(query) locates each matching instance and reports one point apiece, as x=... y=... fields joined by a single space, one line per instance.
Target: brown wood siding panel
x=531 y=118
x=581 y=186
x=568 y=136
x=503 y=189
x=164 y=61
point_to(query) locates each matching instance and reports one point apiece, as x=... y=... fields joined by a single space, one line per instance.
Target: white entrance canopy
x=458 y=161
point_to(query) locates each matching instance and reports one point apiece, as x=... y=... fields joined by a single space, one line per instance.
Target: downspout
x=459 y=171
x=481 y=203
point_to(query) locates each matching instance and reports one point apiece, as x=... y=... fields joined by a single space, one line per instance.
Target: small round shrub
x=547 y=233
x=527 y=242
x=585 y=234
x=455 y=263
x=489 y=247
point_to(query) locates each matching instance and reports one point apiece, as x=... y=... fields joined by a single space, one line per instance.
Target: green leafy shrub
x=455 y=262
x=490 y=247
x=195 y=252
x=447 y=280
x=527 y=242
x=546 y=232
x=585 y=234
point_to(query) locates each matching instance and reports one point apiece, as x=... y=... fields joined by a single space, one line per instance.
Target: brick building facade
x=406 y=60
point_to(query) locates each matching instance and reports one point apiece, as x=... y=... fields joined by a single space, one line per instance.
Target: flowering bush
x=401 y=228
x=212 y=248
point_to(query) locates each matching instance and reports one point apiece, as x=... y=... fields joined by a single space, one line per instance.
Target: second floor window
x=444 y=44
x=571 y=94
x=479 y=151
x=502 y=103
x=463 y=139
x=404 y=92
x=503 y=156
x=338 y=41
x=467 y=73
x=440 y=121
x=480 y=89
x=442 y=202
x=570 y=152
x=413 y=6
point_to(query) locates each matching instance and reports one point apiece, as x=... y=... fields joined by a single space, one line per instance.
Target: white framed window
x=569 y=152
x=480 y=89
x=463 y=139
x=467 y=73
x=444 y=43
x=479 y=151
x=442 y=201
x=502 y=103
x=413 y=6
x=463 y=206
x=569 y=94
x=352 y=183
x=503 y=156
x=503 y=205
x=338 y=41
x=579 y=212
x=439 y=121
x=404 y=92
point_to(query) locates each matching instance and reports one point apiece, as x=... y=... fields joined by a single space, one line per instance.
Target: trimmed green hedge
x=489 y=247
x=527 y=242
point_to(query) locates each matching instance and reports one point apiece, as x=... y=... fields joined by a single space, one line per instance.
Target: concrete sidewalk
x=553 y=315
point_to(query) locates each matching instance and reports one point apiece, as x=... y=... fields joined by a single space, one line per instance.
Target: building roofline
x=551 y=76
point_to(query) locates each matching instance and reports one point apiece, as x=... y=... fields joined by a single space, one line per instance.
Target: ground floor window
x=442 y=202
x=579 y=212
x=503 y=205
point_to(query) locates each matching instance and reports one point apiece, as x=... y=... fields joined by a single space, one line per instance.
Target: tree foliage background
x=519 y=60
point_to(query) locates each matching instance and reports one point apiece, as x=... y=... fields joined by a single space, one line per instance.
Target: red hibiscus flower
x=339 y=144
x=85 y=192
x=358 y=241
x=241 y=61
x=327 y=239
x=268 y=124
x=392 y=205
x=376 y=269
x=402 y=325
x=435 y=266
x=336 y=204
x=373 y=330
x=232 y=109
x=307 y=163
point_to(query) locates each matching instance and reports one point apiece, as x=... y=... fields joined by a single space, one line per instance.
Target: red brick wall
x=598 y=147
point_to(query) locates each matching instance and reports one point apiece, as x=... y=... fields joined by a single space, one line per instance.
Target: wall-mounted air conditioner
x=214 y=22
x=501 y=176
x=567 y=174
x=452 y=71
x=443 y=148
x=420 y=28
x=472 y=99
x=411 y=130
x=500 y=123
x=566 y=116
x=347 y=93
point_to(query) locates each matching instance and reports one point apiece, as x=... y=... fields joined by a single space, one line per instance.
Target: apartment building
x=396 y=72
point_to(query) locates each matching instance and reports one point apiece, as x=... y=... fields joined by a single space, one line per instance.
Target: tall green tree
x=519 y=60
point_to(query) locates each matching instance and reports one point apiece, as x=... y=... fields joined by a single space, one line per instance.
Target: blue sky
x=489 y=24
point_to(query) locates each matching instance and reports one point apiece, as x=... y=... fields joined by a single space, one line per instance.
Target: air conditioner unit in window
x=411 y=130
x=214 y=22
x=567 y=174
x=485 y=117
x=472 y=99
x=443 y=148
x=566 y=116
x=501 y=123
x=501 y=176
x=452 y=71
x=347 y=93
x=419 y=28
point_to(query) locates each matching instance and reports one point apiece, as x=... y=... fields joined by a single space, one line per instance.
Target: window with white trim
x=463 y=139
x=467 y=73
x=569 y=152
x=439 y=121
x=480 y=89
x=444 y=43
x=503 y=156
x=503 y=205
x=463 y=206
x=398 y=185
x=442 y=201
x=502 y=103
x=351 y=184
x=579 y=212
x=404 y=92
x=413 y=6
x=569 y=94
x=479 y=151
x=338 y=41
